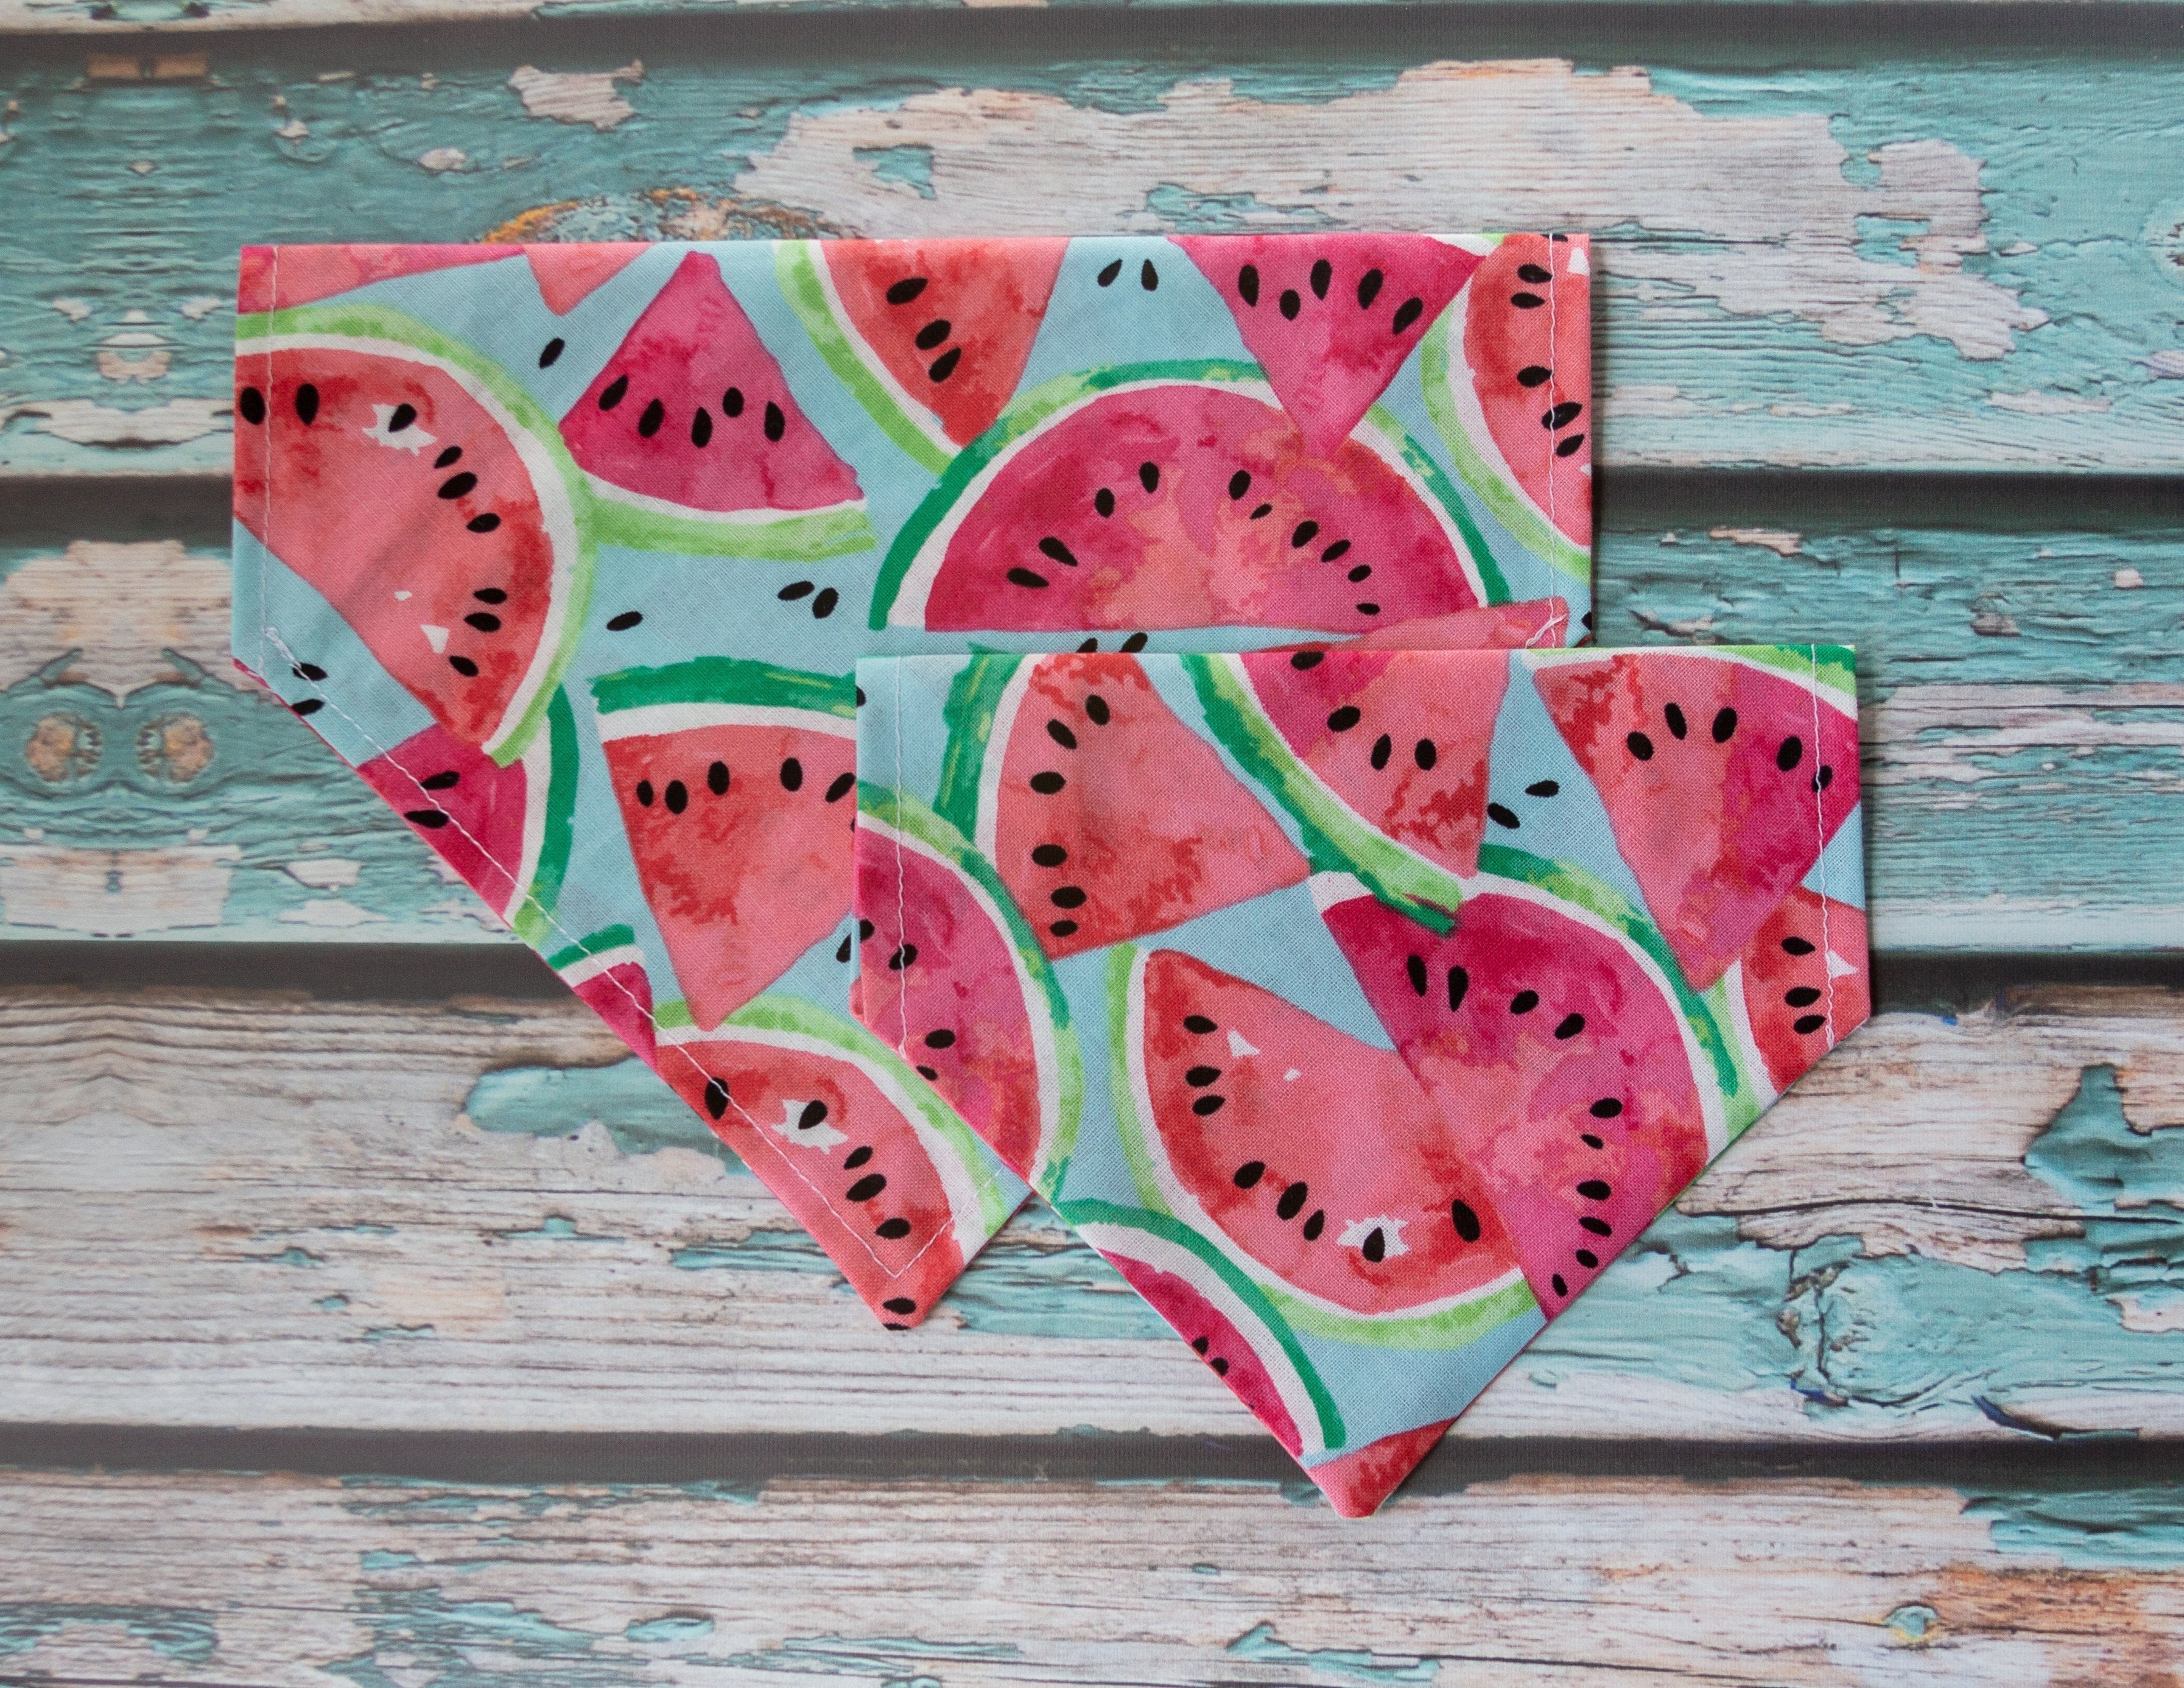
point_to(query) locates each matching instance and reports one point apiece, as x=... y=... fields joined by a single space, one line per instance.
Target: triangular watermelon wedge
x=1332 y=317
x=736 y=783
x=1800 y=985
x=1104 y=817
x=607 y=972
x=568 y=275
x=1725 y=775
x=281 y=277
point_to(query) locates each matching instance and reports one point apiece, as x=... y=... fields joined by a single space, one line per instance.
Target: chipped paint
x=583 y=97
x=115 y=893
x=119 y=613
x=85 y=421
x=1262 y=1644
x=1779 y=541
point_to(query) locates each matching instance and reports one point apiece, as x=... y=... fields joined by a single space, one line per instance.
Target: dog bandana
x=678 y=596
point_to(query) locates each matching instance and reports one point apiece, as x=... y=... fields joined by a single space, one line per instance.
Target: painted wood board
x=226 y=1207
x=1527 y=1580
x=2023 y=726
x=1952 y=261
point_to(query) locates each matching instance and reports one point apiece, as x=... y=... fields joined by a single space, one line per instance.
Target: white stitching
x=1820 y=831
x=903 y=946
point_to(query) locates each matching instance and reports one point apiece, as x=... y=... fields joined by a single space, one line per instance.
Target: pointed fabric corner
x=1361 y=1006
x=574 y=557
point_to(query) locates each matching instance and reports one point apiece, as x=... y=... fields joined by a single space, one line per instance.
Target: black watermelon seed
x=1149 y=476
x=1291 y=303
x=1408 y=312
x=1323 y=272
x=1459 y=982
x=860 y=692
x=644 y=794
x=1308 y=658
x=1797 y=946
x=731 y=402
x=1293 y=1198
x=551 y=353
x=1049 y=855
x=490 y=595
x=1304 y=533
x=1806 y=1023
x=1368 y=288
x=1542 y=788
x=1586 y=1257
x=615 y=392
x=1724 y=726
x=1824 y=778
x=1524 y=1002
x=1792 y=753
x=1059 y=731
x=1503 y=815
x=1198 y=1077
x=1526 y=301
x=1571 y=446
x=441 y=781
x=1368 y=608
x=1068 y=897
x=1063 y=929
x=308 y=706
x=251 y=403
x=1199 y=1024
x=1136 y=642
x=1208 y=1105
x=1104 y=501
x=1571 y=1025
x=893 y=1229
x=905 y=290
x=865 y=930
x=1263 y=510
x=1534 y=374
x=945 y=365
x=483 y=524
x=449 y=458
x=1534 y=273
x=1416 y=967
x=900 y=1304
x=1201 y=1346
x=814 y=1112
x=484 y=621
x=1561 y=1288
x=716 y=1097
x=1337 y=552
x=1801 y=996
x=1641 y=747
x=1562 y=416
x=841 y=950
x=1375 y=1246
x=1674 y=717
x=1361 y=571
x=309 y=671
x=464 y=667
x=307 y=404
x=1220 y=1367
x=1247 y=284
x=795 y=590
x=716 y=779
x=1343 y=718
x=1315 y=1225
x=1046 y=784
x=429 y=818
x=677 y=797
x=1466 y=1221
x=933 y=333
x=1061 y=553
x=1591 y=1141
x=1382 y=748
x=1023 y=577
x=863 y=1189
x=1595 y=1190
x=701 y=426
x=1425 y=754
x=940 y=1038
x=792 y=774
x=456 y=485
x=1599 y=1227
x=1108 y=276
x=1606 y=1108
x=404 y=415
x=776 y=423
x=857 y=1156
x=1148 y=277
x=841 y=786
x=1095 y=707
x=1240 y=484
x=823 y=606
x=906 y=954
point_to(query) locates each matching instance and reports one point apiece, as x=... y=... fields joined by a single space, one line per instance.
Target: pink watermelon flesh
x=873 y=1199
x=1558 y=1062
x=1115 y=820
x=1797 y=1005
x=406 y=504
x=622 y=997
x=938 y=980
x=1378 y=1207
x=1331 y=318
x=737 y=831
x=1394 y=738
x=1214 y=1338
x=692 y=410
x=456 y=798
x=952 y=321
x=1357 y=1482
x=1528 y=346
x=1719 y=798
x=280 y=278
x=1188 y=505
x=1533 y=624
x=569 y=275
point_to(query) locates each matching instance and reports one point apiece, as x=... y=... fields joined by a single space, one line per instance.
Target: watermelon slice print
x=568 y=275
x=736 y=783
x=951 y=976
x=506 y=831
x=1331 y=318
x=426 y=499
x=1509 y=382
x=282 y=277
x=1802 y=985
x=1104 y=815
x=931 y=336
x=1180 y=495
x=693 y=442
x=1582 y=1081
x=880 y=1171
x=1725 y=775
x=1376 y=1226
x=1381 y=755
x=606 y=970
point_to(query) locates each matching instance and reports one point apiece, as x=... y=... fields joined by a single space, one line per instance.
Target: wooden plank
x=1906 y=262
x=216 y=1579
x=2023 y=727
x=259 y=1209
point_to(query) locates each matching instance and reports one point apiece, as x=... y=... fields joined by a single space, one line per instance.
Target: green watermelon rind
x=616 y=519
x=973 y=468
x=1437 y=370
x=974 y=702
x=736 y=680
x=897 y=811
x=1453 y=1324
x=1832 y=669
x=1091 y=1211
x=533 y=919
x=801 y=272
x=1335 y=836
x=604 y=942
x=527 y=425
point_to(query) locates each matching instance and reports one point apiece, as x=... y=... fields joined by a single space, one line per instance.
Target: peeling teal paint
x=1261 y=1646
x=674 y=1629
x=380 y=1561
x=764 y=1248
x=1911 y=1622
x=556 y=1228
x=185 y=1634
x=1189 y=211
x=2139 y=1529
x=640 y=1113
x=910 y=167
x=422 y=1636
x=398 y=1333
x=291 y=1255
x=330 y=1304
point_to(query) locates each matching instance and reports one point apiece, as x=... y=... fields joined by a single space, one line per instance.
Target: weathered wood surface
x=1958 y=257
x=2025 y=736
x=265 y=1210
x=1527 y=1580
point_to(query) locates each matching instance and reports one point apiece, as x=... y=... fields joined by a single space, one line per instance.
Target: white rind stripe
x=650 y=721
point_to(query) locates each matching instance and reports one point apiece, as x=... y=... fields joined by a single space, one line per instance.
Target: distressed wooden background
x=365 y=1316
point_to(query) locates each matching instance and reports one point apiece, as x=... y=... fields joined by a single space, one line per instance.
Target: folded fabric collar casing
x=688 y=601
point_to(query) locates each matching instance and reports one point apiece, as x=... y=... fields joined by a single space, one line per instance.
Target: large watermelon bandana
x=1358 y=1004
x=572 y=551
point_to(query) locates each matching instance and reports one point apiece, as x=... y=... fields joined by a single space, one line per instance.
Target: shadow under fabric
x=1095 y=714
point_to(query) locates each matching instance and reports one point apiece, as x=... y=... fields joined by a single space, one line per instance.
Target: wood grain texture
x=1890 y=265
x=264 y=1210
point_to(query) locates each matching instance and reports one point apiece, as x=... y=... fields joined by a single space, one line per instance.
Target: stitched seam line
x=1820 y=833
